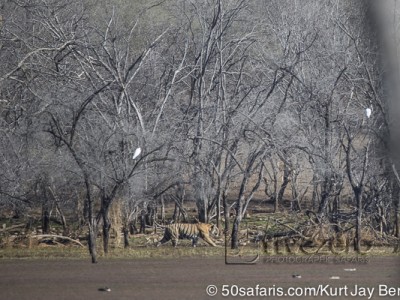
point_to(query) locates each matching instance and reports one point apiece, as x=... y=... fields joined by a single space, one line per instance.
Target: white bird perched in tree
x=137 y=153
x=368 y=112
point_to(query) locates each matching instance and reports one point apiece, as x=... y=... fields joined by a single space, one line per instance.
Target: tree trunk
x=335 y=211
x=314 y=193
x=151 y=214
x=358 y=196
x=45 y=209
x=45 y=219
x=273 y=195
x=236 y=222
x=175 y=215
x=226 y=212
x=106 y=229
x=396 y=200
x=92 y=240
x=235 y=231
x=326 y=185
x=324 y=197
x=92 y=223
x=142 y=222
x=126 y=236
x=218 y=211
x=285 y=182
x=295 y=203
x=162 y=209
x=202 y=214
x=275 y=183
x=63 y=220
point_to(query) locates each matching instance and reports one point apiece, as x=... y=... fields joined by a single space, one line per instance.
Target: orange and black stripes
x=177 y=231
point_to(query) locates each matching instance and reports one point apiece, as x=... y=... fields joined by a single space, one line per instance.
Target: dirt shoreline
x=185 y=278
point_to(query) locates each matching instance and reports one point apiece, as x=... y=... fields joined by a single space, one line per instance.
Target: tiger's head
x=206 y=228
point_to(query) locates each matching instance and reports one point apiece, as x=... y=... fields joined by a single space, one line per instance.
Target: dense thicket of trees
x=226 y=99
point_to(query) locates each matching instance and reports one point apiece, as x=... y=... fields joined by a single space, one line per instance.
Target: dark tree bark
x=243 y=199
x=162 y=209
x=285 y=182
x=45 y=219
x=142 y=222
x=106 y=228
x=236 y=224
x=125 y=231
x=357 y=186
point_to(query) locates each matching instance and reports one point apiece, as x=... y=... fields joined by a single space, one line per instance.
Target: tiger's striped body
x=177 y=231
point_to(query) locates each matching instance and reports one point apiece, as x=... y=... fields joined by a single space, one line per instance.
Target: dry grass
x=164 y=252
x=17 y=245
x=72 y=252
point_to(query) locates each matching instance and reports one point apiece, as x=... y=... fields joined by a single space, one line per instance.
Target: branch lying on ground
x=40 y=236
x=12 y=227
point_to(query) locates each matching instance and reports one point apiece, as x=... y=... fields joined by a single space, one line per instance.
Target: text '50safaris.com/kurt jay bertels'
x=321 y=290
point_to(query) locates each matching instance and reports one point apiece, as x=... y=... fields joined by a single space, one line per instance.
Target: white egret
x=137 y=153
x=368 y=112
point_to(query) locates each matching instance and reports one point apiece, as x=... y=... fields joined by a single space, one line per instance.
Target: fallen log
x=4 y=229
x=42 y=236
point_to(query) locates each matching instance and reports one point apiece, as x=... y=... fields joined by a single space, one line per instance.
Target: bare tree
x=215 y=93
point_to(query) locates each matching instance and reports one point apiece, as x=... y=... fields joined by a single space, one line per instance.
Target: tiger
x=177 y=231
